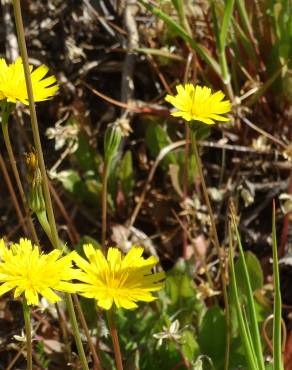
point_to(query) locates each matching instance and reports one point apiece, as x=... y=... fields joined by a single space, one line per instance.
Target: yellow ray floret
x=13 y=87
x=197 y=103
x=25 y=270
x=122 y=280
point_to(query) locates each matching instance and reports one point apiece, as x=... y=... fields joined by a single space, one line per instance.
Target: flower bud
x=36 y=199
x=112 y=139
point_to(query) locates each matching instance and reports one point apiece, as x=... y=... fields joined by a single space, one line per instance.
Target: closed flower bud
x=36 y=199
x=112 y=141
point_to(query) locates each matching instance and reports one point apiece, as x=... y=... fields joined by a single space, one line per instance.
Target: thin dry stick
x=16 y=357
x=12 y=194
x=64 y=330
x=159 y=158
x=72 y=232
x=203 y=259
x=18 y=181
x=87 y=334
x=262 y=132
x=266 y=337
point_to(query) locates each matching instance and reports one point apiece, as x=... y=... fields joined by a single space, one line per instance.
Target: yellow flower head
x=13 y=87
x=25 y=269
x=196 y=103
x=117 y=279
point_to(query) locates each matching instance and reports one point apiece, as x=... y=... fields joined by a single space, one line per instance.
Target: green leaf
x=179 y=286
x=69 y=179
x=251 y=312
x=178 y=30
x=86 y=155
x=254 y=270
x=242 y=322
x=157 y=139
x=89 y=311
x=212 y=335
x=190 y=347
x=126 y=173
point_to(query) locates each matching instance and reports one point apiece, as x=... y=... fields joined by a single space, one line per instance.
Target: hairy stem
x=217 y=244
x=26 y=315
x=115 y=339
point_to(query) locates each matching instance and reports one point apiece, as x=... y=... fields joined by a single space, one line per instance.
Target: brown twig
x=72 y=232
x=12 y=194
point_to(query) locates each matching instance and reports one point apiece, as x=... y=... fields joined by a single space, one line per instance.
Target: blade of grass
x=178 y=30
x=243 y=327
x=256 y=339
x=244 y=40
x=180 y=8
x=277 y=333
x=245 y=20
x=228 y=10
x=221 y=41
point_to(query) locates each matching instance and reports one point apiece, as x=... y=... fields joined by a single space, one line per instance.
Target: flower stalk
x=38 y=146
x=26 y=316
x=115 y=339
x=219 y=250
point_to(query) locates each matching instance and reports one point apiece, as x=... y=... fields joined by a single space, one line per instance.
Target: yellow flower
x=13 y=87
x=197 y=103
x=25 y=269
x=117 y=279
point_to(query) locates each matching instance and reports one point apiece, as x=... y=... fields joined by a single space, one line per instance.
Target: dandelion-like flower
x=13 y=87
x=24 y=268
x=122 y=280
x=197 y=103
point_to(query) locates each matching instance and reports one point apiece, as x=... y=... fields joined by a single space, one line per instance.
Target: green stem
x=217 y=246
x=75 y=329
x=26 y=315
x=115 y=339
x=80 y=313
x=225 y=74
x=104 y=205
x=185 y=187
x=33 y=117
x=38 y=146
x=12 y=161
x=43 y=220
